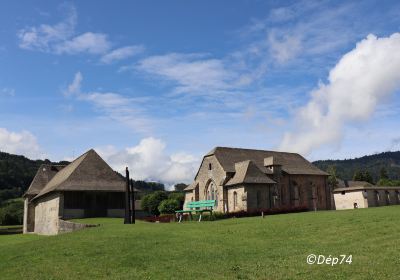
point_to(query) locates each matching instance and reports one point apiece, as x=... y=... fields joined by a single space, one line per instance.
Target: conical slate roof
x=247 y=172
x=89 y=172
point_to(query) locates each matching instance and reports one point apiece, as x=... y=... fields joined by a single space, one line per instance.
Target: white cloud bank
x=149 y=161
x=361 y=80
x=21 y=143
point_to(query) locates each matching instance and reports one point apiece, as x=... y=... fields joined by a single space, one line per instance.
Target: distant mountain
x=346 y=168
x=16 y=174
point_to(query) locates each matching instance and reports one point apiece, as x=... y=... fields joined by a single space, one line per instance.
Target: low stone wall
x=67 y=226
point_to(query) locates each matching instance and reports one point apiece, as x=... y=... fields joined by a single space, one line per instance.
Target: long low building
x=87 y=187
x=359 y=194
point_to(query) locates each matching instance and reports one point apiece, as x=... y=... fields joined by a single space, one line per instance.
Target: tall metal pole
x=127 y=219
x=133 y=202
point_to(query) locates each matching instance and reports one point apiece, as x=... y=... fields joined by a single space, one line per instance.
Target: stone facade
x=214 y=181
x=87 y=187
x=364 y=197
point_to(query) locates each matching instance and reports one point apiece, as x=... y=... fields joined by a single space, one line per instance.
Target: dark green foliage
x=16 y=174
x=12 y=212
x=180 y=187
x=387 y=182
x=363 y=176
x=179 y=196
x=345 y=169
x=332 y=179
x=383 y=174
x=169 y=206
x=151 y=201
x=148 y=186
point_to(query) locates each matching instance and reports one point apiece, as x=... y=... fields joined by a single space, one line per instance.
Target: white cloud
x=75 y=87
x=23 y=143
x=44 y=36
x=195 y=73
x=121 y=53
x=115 y=106
x=61 y=38
x=149 y=161
x=363 y=78
x=89 y=42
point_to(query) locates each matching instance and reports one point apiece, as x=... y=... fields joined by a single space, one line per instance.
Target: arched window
x=234 y=200
x=211 y=193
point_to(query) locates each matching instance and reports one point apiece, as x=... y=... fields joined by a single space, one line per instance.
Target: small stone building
x=87 y=187
x=359 y=194
x=251 y=180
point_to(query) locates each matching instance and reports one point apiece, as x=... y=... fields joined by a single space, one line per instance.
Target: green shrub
x=179 y=196
x=169 y=206
x=151 y=202
x=12 y=212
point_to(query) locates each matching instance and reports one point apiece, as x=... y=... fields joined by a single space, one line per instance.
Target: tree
x=179 y=196
x=368 y=177
x=151 y=202
x=383 y=175
x=180 y=187
x=169 y=206
x=358 y=176
x=12 y=212
x=332 y=179
x=363 y=176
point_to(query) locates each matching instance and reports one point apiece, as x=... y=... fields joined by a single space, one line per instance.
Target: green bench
x=200 y=206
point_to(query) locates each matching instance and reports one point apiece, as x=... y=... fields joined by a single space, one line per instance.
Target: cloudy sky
x=156 y=84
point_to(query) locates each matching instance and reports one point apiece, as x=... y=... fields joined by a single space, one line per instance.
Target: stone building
x=250 y=180
x=359 y=194
x=87 y=187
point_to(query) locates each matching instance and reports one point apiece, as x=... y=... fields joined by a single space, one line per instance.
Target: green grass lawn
x=275 y=247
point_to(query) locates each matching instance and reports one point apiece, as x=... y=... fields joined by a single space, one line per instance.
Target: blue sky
x=156 y=84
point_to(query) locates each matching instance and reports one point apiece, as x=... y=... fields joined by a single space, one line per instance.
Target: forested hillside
x=345 y=169
x=16 y=174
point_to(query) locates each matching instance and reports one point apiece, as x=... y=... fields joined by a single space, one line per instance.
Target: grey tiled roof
x=89 y=172
x=247 y=172
x=44 y=174
x=292 y=163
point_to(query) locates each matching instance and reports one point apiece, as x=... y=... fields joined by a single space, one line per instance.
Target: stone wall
x=66 y=226
x=46 y=214
x=347 y=200
x=241 y=194
x=205 y=176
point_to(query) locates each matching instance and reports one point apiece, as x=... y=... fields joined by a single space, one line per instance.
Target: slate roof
x=248 y=172
x=292 y=163
x=360 y=185
x=44 y=174
x=89 y=172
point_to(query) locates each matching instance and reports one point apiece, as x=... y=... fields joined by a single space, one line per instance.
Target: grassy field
x=275 y=247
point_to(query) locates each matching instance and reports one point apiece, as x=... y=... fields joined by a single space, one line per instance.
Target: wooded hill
x=345 y=169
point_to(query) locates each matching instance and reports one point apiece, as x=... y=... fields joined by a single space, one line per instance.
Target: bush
x=169 y=206
x=12 y=212
x=179 y=196
x=151 y=202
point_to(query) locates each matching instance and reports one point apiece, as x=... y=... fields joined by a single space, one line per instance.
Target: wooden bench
x=200 y=206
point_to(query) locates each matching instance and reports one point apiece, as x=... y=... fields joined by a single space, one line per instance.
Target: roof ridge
x=52 y=184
